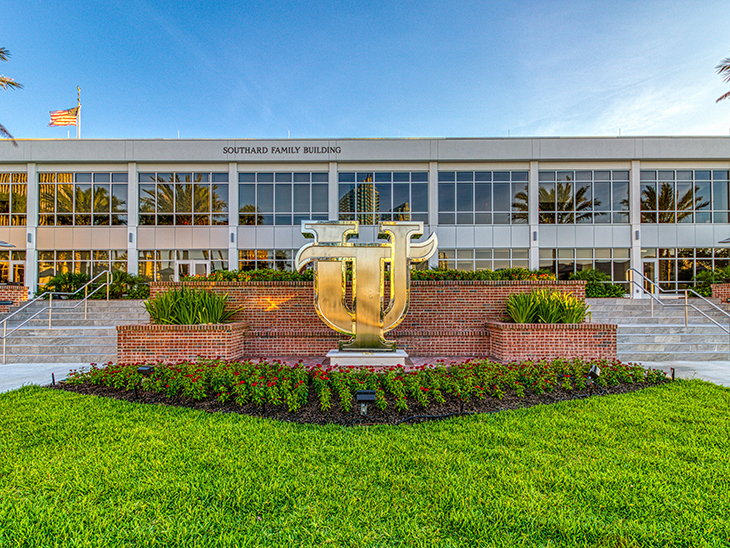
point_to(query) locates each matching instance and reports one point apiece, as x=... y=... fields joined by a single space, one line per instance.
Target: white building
x=163 y=208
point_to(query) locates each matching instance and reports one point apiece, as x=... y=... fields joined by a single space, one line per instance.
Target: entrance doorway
x=191 y=268
x=651 y=270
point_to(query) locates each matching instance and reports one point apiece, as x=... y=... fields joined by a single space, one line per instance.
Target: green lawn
x=651 y=468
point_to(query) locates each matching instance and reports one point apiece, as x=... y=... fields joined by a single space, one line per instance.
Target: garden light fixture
x=363 y=397
x=594 y=372
x=146 y=370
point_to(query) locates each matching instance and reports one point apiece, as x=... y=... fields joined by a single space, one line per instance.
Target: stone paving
x=14 y=376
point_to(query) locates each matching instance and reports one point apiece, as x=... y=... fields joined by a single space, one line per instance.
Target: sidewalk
x=14 y=376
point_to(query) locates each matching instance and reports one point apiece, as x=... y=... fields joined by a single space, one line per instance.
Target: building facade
x=167 y=208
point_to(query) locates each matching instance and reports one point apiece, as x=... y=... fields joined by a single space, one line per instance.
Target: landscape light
x=594 y=372
x=146 y=370
x=363 y=397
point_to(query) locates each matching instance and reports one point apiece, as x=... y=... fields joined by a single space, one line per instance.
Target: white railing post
x=86 y=296
x=108 y=273
x=50 y=307
x=686 y=312
x=5 y=330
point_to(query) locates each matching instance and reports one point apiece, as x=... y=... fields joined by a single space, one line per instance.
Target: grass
x=649 y=468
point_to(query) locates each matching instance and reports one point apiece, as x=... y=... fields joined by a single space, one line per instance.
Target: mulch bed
x=312 y=414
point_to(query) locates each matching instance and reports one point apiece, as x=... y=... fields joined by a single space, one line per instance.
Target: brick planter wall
x=513 y=342
x=446 y=318
x=721 y=291
x=14 y=293
x=175 y=343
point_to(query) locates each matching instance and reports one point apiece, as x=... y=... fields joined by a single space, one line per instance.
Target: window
x=678 y=266
x=258 y=259
x=51 y=263
x=183 y=199
x=159 y=264
x=13 y=199
x=583 y=197
x=371 y=197
x=684 y=196
x=483 y=259
x=282 y=198
x=482 y=197
x=12 y=266
x=82 y=199
x=564 y=262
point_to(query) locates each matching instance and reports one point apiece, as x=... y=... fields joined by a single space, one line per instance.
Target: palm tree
x=686 y=204
x=723 y=69
x=6 y=83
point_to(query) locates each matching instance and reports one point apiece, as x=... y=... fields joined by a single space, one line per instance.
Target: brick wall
x=721 y=291
x=174 y=343
x=446 y=318
x=15 y=293
x=513 y=342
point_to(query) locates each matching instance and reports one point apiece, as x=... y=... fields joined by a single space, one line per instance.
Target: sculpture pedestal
x=364 y=359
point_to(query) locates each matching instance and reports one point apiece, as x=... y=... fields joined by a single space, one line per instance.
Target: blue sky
x=322 y=69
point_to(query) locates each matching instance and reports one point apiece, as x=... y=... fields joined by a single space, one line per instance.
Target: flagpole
x=78 y=114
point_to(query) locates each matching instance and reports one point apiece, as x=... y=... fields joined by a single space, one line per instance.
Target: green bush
x=545 y=306
x=598 y=285
x=706 y=278
x=68 y=282
x=186 y=306
x=267 y=275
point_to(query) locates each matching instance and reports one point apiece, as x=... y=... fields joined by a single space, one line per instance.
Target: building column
x=433 y=206
x=533 y=198
x=635 y=219
x=31 y=249
x=233 y=216
x=333 y=203
x=132 y=219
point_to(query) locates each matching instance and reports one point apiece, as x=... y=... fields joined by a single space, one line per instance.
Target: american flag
x=64 y=117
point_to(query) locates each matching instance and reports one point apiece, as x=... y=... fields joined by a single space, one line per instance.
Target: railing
x=49 y=308
x=687 y=304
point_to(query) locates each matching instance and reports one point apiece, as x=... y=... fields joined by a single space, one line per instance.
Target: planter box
x=14 y=293
x=175 y=343
x=445 y=318
x=721 y=291
x=510 y=342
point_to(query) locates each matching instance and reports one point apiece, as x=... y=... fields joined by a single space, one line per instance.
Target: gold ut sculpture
x=366 y=322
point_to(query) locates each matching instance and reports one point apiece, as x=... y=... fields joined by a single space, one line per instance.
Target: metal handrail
x=49 y=308
x=687 y=305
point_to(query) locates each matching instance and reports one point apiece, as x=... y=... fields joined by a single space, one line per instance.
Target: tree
x=723 y=69
x=6 y=83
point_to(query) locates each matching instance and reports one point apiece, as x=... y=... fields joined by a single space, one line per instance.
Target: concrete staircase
x=71 y=339
x=664 y=337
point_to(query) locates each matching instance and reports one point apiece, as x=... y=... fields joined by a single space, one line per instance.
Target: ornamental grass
x=187 y=306
x=290 y=387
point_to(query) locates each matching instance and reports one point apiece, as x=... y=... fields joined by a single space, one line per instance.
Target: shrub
x=189 y=307
x=266 y=275
x=598 y=285
x=68 y=282
x=706 y=278
x=545 y=306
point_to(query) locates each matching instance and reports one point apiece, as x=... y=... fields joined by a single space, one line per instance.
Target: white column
x=233 y=216
x=533 y=197
x=31 y=219
x=333 y=203
x=132 y=219
x=433 y=206
x=635 y=218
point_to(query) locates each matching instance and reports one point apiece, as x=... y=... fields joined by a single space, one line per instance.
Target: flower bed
x=523 y=341
x=175 y=343
x=326 y=395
